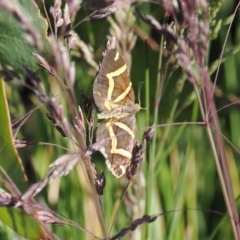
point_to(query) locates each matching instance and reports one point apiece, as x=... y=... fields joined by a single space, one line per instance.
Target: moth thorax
x=120 y=112
x=136 y=107
x=131 y=109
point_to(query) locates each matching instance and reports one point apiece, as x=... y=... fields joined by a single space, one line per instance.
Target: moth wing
x=112 y=87
x=118 y=136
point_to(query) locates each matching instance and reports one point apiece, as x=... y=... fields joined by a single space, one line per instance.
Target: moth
x=114 y=96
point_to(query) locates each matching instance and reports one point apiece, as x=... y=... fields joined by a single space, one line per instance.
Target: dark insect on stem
x=100 y=183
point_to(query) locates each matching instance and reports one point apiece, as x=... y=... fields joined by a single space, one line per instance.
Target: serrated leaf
x=15 y=51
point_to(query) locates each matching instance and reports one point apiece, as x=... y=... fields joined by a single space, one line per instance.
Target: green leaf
x=216 y=29
x=15 y=51
x=9 y=158
x=21 y=223
x=11 y=162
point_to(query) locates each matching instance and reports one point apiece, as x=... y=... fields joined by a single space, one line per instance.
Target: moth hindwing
x=114 y=96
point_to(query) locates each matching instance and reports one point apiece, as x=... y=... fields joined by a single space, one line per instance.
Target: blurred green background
x=178 y=176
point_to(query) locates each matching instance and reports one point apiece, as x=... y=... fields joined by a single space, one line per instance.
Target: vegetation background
x=190 y=174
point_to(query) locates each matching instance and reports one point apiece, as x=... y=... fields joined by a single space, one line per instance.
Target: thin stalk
x=170 y=119
x=147 y=91
x=95 y=199
x=150 y=173
x=221 y=165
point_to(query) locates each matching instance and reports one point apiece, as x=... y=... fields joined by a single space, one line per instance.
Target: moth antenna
x=139 y=92
x=144 y=108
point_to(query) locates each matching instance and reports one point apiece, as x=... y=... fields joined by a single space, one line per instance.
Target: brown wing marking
x=124 y=94
x=125 y=127
x=119 y=140
x=110 y=76
x=114 y=149
x=112 y=87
